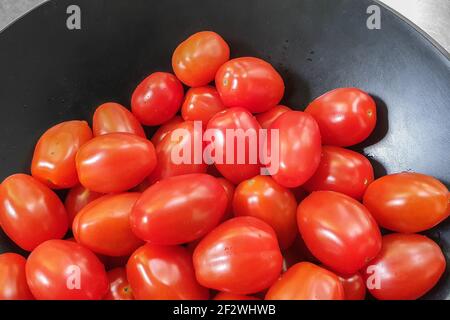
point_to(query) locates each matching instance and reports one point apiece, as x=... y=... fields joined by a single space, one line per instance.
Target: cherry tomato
x=119 y=288
x=250 y=83
x=299 y=148
x=166 y=128
x=30 y=213
x=103 y=225
x=354 y=286
x=201 y=104
x=240 y=256
x=341 y=170
x=229 y=189
x=306 y=281
x=407 y=267
x=179 y=209
x=157 y=98
x=163 y=273
x=115 y=162
x=65 y=270
x=13 y=282
x=261 y=197
x=77 y=198
x=338 y=230
x=232 y=120
x=346 y=116
x=407 y=202
x=112 y=117
x=268 y=117
x=231 y=296
x=54 y=156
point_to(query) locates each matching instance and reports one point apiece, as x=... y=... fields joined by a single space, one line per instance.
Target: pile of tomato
x=145 y=227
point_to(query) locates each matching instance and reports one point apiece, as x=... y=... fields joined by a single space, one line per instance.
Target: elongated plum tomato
x=231 y=296
x=54 y=155
x=115 y=162
x=166 y=128
x=407 y=267
x=30 y=213
x=196 y=60
x=163 y=273
x=241 y=256
x=346 y=116
x=244 y=162
x=13 y=282
x=119 y=287
x=268 y=117
x=201 y=104
x=112 y=117
x=179 y=209
x=103 y=226
x=77 y=198
x=65 y=270
x=354 y=286
x=306 y=281
x=407 y=202
x=157 y=98
x=299 y=148
x=261 y=197
x=341 y=170
x=250 y=83
x=338 y=230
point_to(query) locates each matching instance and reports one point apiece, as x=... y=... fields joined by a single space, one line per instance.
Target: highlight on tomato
x=13 y=282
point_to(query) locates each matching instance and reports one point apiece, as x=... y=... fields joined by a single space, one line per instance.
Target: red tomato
x=234 y=119
x=346 y=116
x=407 y=202
x=112 y=117
x=179 y=209
x=261 y=197
x=115 y=162
x=196 y=60
x=354 y=287
x=163 y=273
x=341 y=170
x=166 y=128
x=201 y=104
x=299 y=148
x=30 y=213
x=229 y=189
x=119 y=288
x=54 y=156
x=157 y=98
x=65 y=270
x=240 y=256
x=266 y=119
x=13 y=282
x=338 y=230
x=407 y=267
x=306 y=281
x=231 y=296
x=250 y=83
x=77 y=198
x=103 y=226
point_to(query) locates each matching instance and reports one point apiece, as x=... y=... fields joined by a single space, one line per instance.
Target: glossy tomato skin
x=197 y=200
x=229 y=190
x=166 y=128
x=231 y=296
x=13 y=282
x=54 y=155
x=240 y=256
x=234 y=119
x=261 y=197
x=354 y=286
x=30 y=213
x=250 y=83
x=338 y=230
x=115 y=162
x=297 y=161
x=77 y=198
x=201 y=104
x=157 y=98
x=407 y=202
x=112 y=117
x=306 y=281
x=65 y=270
x=103 y=226
x=343 y=171
x=163 y=273
x=196 y=60
x=407 y=267
x=268 y=117
x=119 y=288
x=346 y=116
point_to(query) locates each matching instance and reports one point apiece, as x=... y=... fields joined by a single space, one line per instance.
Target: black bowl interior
x=50 y=74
